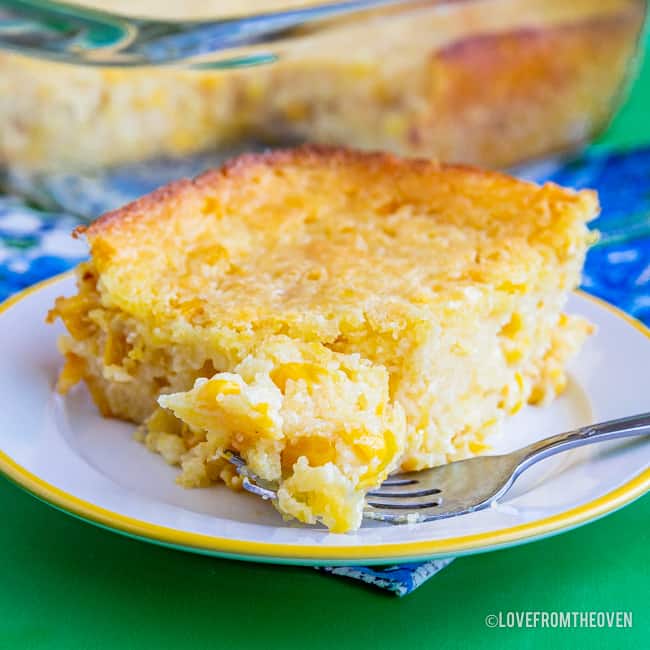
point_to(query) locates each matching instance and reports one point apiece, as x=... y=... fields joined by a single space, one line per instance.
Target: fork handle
x=634 y=425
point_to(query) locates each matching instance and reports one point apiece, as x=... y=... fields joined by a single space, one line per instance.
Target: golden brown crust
x=236 y=168
x=498 y=98
x=214 y=180
x=124 y=215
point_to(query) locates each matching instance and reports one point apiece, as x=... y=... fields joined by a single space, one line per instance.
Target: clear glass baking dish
x=487 y=82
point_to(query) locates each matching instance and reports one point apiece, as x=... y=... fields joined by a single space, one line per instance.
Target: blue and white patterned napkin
x=35 y=243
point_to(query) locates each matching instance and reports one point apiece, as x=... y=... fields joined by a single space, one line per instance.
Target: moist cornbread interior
x=331 y=315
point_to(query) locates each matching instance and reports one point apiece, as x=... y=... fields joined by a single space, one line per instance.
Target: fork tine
x=399 y=480
x=401 y=503
x=404 y=506
x=406 y=515
x=402 y=477
x=408 y=492
x=233 y=458
x=251 y=482
x=249 y=486
x=240 y=465
x=402 y=499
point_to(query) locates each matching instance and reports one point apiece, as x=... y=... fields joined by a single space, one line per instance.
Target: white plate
x=63 y=452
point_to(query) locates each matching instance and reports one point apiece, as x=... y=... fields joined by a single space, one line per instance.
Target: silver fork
x=466 y=485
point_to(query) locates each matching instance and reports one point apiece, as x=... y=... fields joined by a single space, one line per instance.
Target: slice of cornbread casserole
x=331 y=315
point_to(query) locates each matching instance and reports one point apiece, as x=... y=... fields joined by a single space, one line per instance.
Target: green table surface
x=67 y=584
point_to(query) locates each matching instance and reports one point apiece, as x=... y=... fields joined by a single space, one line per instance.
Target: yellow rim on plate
x=263 y=551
